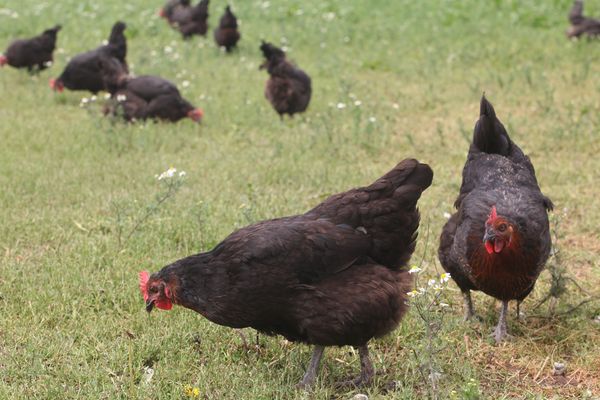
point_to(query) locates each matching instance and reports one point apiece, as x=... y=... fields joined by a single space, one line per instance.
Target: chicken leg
x=500 y=332
x=469 y=312
x=366 y=370
x=311 y=372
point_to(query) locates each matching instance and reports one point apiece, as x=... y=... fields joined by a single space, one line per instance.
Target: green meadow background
x=391 y=80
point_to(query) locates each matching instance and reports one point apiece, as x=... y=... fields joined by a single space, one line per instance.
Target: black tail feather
x=490 y=135
x=576 y=14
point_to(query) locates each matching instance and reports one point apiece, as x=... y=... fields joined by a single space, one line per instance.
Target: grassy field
x=391 y=79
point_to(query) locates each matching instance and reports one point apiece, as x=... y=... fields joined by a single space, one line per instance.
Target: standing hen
x=83 y=71
x=288 y=88
x=35 y=54
x=333 y=276
x=227 y=34
x=499 y=240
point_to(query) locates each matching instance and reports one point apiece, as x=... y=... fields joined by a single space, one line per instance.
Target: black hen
x=227 y=34
x=581 y=25
x=333 y=276
x=499 y=239
x=288 y=88
x=83 y=71
x=187 y=19
x=171 y=8
x=144 y=97
x=35 y=54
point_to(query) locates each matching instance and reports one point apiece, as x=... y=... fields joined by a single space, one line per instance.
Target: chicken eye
x=153 y=289
x=502 y=227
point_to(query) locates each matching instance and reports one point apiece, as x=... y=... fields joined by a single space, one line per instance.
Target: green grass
x=72 y=321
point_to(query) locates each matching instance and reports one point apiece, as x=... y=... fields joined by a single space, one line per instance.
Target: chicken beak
x=149 y=305
x=489 y=235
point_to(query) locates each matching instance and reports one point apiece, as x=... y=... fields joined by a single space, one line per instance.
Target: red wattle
x=164 y=304
x=489 y=247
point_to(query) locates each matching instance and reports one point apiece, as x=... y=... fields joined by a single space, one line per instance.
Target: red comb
x=493 y=215
x=3 y=60
x=144 y=276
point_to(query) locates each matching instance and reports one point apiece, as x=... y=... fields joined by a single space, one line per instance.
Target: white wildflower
x=357 y=103
x=121 y=98
x=93 y=98
x=340 y=106
x=265 y=4
x=182 y=174
x=372 y=120
x=185 y=84
x=395 y=106
x=168 y=49
x=447 y=215
x=330 y=16
x=107 y=96
x=435 y=376
x=431 y=282
x=444 y=305
x=104 y=42
x=48 y=64
x=413 y=293
x=147 y=375
x=167 y=174
x=445 y=277
x=414 y=270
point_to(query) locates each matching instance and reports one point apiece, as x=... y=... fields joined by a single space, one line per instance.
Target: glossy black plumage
x=227 y=34
x=143 y=97
x=332 y=276
x=83 y=71
x=35 y=54
x=289 y=88
x=496 y=174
